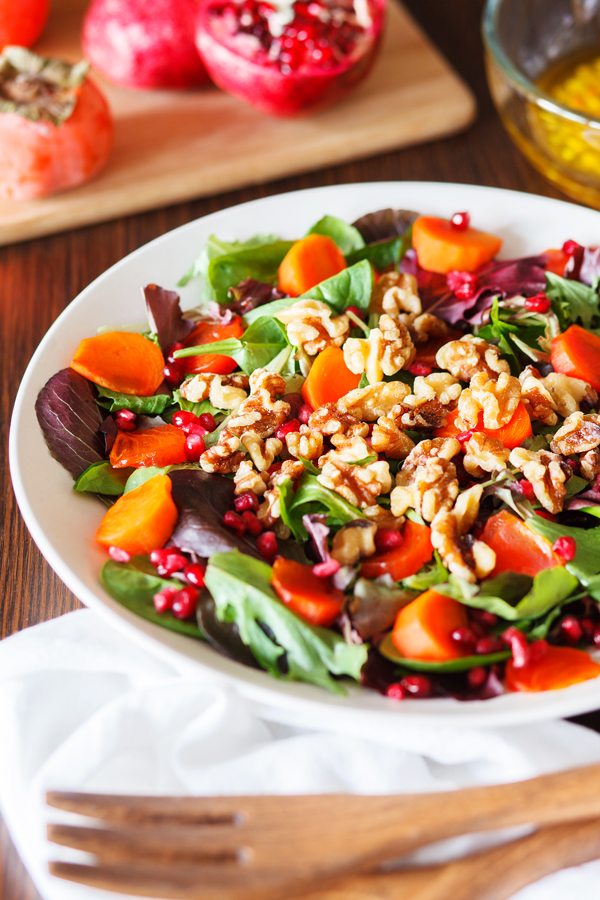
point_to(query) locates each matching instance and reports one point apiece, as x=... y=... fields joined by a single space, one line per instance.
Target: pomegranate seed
x=477 y=676
x=537 y=649
x=325 y=569
x=254 y=526
x=464 y=436
x=539 y=303
x=518 y=645
x=460 y=221
x=185 y=602
x=587 y=627
x=545 y=515
x=526 y=489
x=158 y=556
x=287 y=428
x=125 y=420
x=596 y=638
x=118 y=555
x=565 y=547
x=174 y=373
x=207 y=420
x=569 y=247
x=571 y=629
x=194 y=573
x=170 y=563
x=267 y=545
x=182 y=418
x=386 y=540
x=462 y=284
x=464 y=636
x=420 y=369
x=194 y=428
x=232 y=520
x=487 y=645
x=163 y=601
x=304 y=413
x=274 y=468
x=194 y=447
x=484 y=617
x=172 y=351
x=246 y=500
x=417 y=685
x=396 y=691
x=573 y=464
x=359 y=313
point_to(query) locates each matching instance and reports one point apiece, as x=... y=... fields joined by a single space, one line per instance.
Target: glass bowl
x=524 y=39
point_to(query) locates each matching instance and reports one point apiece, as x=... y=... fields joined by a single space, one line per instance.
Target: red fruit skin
x=39 y=158
x=144 y=44
x=301 y=92
x=22 y=21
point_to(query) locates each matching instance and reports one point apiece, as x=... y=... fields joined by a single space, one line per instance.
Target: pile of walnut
x=373 y=421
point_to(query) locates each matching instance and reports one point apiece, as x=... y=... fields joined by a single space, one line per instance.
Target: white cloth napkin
x=84 y=708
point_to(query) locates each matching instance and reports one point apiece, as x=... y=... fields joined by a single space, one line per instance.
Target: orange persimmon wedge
x=161 y=446
x=443 y=248
x=407 y=559
x=556 y=260
x=576 y=352
x=208 y=333
x=423 y=629
x=312 y=598
x=557 y=668
x=329 y=378
x=141 y=520
x=308 y=263
x=512 y=434
x=517 y=547
x=121 y=361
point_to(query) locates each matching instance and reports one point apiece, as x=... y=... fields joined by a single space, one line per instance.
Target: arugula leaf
x=241 y=588
x=514 y=596
x=347 y=237
x=462 y=664
x=134 y=584
x=101 y=478
x=147 y=406
x=312 y=497
x=572 y=301
x=258 y=346
x=586 y=562
x=500 y=332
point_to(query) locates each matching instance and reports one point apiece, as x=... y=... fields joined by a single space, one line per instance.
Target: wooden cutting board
x=173 y=146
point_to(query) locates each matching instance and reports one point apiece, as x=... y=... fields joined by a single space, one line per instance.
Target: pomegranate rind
x=301 y=92
x=39 y=158
x=144 y=44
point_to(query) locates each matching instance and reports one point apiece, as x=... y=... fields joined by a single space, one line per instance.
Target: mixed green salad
x=372 y=453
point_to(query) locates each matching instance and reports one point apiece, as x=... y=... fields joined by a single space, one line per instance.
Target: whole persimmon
x=22 y=21
x=56 y=129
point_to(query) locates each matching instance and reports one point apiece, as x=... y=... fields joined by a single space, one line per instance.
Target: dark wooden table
x=38 y=279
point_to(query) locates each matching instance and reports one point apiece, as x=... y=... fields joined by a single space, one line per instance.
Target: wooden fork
x=245 y=848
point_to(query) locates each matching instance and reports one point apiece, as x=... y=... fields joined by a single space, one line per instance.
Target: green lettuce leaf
x=586 y=563
x=101 y=478
x=347 y=237
x=146 y=406
x=241 y=588
x=261 y=342
x=572 y=301
x=312 y=497
x=215 y=249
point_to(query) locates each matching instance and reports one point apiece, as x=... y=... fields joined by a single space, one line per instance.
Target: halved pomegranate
x=291 y=57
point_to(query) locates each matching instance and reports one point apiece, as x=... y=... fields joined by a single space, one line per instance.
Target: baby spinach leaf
x=347 y=237
x=101 y=478
x=383 y=253
x=70 y=420
x=462 y=664
x=134 y=584
x=241 y=588
x=261 y=342
x=350 y=287
x=312 y=497
x=586 y=562
x=147 y=406
x=214 y=248
x=572 y=301
x=140 y=476
x=514 y=596
x=259 y=262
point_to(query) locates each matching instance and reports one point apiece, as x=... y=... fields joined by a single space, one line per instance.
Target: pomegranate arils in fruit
x=185 y=602
x=565 y=547
x=571 y=630
x=460 y=221
x=386 y=539
x=163 y=601
x=247 y=500
x=267 y=545
x=417 y=685
x=194 y=447
x=194 y=573
x=118 y=555
x=396 y=691
x=539 y=303
x=325 y=569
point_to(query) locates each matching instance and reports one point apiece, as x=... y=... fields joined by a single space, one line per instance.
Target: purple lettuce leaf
x=581 y=501
x=165 y=317
x=70 y=420
x=385 y=224
x=110 y=431
x=315 y=524
x=590 y=265
x=250 y=294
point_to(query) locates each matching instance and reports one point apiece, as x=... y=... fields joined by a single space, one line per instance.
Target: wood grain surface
x=38 y=278
x=171 y=146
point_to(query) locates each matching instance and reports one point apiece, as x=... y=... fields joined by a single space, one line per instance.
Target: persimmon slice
x=576 y=352
x=309 y=262
x=162 y=446
x=312 y=598
x=517 y=547
x=423 y=629
x=329 y=378
x=121 y=361
x=141 y=520
x=558 y=668
x=405 y=560
x=441 y=247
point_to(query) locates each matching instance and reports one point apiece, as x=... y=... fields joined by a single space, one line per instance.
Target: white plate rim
x=292 y=700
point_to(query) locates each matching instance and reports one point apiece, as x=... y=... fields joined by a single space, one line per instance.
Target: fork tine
x=119 y=808
x=113 y=845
